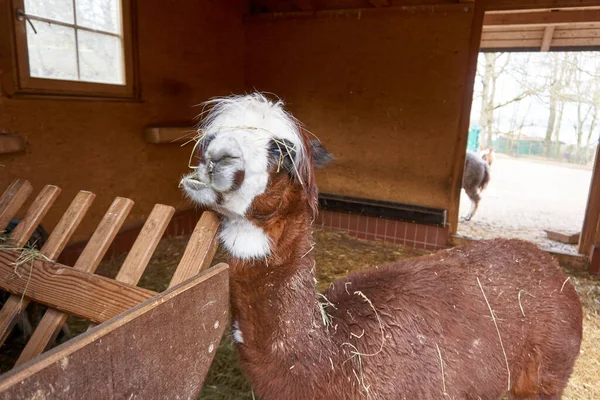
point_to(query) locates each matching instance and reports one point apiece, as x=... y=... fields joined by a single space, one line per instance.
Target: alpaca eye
x=225 y=159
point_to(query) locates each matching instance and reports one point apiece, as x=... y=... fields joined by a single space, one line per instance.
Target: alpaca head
x=488 y=156
x=251 y=149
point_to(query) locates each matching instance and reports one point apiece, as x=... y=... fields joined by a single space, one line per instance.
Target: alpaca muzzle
x=192 y=182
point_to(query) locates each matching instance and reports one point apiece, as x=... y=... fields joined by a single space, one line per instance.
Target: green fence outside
x=473 y=138
x=517 y=148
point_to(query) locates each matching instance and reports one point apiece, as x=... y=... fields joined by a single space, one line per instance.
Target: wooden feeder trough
x=147 y=345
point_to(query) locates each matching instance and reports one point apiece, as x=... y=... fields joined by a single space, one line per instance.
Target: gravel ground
x=526 y=196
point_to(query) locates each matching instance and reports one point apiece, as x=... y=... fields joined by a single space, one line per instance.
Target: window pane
x=57 y=10
x=52 y=52
x=102 y=15
x=100 y=58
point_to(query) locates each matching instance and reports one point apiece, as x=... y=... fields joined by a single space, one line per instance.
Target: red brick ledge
x=359 y=226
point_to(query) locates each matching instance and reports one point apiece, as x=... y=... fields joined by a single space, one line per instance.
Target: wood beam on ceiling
x=556 y=17
x=305 y=5
x=380 y=3
x=513 y=5
x=547 y=40
x=513 y=45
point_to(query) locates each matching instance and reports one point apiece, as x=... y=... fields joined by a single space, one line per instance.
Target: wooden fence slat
x=67 y=225
x=135 y=264
x=12 y=200
x=200 y=249
x=19 y=236
x=150 y=352
x=90 y=258
x=55 y=244
x=36 y=212
x=83 y=294
x=102 y=238
x=132 y=269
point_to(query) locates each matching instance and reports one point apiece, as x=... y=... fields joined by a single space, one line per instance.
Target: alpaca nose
x=193 y=181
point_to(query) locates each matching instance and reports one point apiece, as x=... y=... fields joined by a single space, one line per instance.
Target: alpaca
x=488 y=155
x=465 y=323
x=476 y=177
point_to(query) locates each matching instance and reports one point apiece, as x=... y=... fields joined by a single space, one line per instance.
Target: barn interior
x=386 y=85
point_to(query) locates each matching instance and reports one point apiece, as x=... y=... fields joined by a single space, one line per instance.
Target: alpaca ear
x=320 y=156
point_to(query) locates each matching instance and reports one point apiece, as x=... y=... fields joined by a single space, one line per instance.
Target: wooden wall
x=188 y=51
x=383 y=89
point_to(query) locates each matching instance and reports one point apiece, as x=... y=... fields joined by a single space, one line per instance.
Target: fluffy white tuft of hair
x=253 y=112
x=236 y=333
x=244 y=240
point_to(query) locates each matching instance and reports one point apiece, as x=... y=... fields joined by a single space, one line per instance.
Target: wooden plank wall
x=383 y=89
x=188 y=52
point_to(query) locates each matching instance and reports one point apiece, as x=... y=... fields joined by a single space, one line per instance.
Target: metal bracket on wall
x=11 y=143
x=383 y=209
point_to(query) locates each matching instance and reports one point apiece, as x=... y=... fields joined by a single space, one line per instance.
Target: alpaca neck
x=274 y=303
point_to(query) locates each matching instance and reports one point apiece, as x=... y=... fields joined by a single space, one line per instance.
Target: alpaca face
x=232 y=171
x=242 y=137
x=246 y=140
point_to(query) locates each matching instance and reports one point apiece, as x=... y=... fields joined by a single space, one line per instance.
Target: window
x=74 y=47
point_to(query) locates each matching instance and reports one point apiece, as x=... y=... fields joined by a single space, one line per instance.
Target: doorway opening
x=536 y=119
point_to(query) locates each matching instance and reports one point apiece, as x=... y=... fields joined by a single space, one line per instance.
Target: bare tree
x=494 y=66
x=559 y=79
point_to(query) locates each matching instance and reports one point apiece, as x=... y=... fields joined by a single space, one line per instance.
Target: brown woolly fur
x=376 y=334
x=421 y=304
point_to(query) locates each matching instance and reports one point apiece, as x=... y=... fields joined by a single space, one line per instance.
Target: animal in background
x=476 y=177
x=487 y=155
x=464 y=323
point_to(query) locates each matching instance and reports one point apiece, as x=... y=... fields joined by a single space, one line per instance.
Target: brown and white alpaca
x=415 y=329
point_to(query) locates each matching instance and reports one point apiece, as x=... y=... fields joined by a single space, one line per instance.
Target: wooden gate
x=148 y=345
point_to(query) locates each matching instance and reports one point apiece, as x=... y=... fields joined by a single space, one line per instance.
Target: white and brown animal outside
x=476 y=177
x=466 y=323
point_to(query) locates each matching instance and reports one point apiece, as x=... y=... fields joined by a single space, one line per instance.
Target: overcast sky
x=533 y=69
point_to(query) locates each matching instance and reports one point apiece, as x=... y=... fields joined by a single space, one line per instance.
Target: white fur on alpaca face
x=230 y=152
x=240 y=131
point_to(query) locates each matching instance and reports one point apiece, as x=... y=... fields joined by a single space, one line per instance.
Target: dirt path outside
x=526 y=196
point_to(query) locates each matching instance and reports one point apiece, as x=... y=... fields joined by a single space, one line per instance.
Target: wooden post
x=547 y=40
x=465 y=117
x=592 y=212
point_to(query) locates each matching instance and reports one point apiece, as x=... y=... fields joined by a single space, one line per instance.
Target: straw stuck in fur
x=497 y=330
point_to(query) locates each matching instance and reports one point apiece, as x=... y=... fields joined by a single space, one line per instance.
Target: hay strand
x=519 y=298
x=442 y=367
x=27 y=255
x=497 y=330
x=564 y=283
x=356 y=353
x=325 y=317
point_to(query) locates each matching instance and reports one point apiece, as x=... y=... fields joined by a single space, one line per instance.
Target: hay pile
x=336 y=255
x=585 y=381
